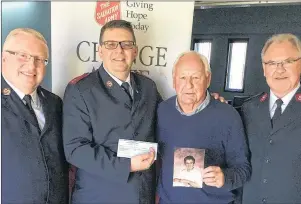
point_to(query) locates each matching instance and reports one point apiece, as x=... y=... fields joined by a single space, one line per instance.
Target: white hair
x=27 y=31
x=202 y=58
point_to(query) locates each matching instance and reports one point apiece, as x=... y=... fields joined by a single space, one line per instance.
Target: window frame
x=199 y=40
x=228 y=68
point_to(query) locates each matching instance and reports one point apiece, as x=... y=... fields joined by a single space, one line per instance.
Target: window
x=236 y=65
x=203 y=47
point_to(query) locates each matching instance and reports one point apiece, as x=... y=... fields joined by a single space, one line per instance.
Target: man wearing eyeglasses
x=34 y=169
x=102 y=107
x=273 y=126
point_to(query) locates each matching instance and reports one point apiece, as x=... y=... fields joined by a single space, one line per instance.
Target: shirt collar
x=198 y=109
x=286 y=99
x=118 y=81
x=21 y=95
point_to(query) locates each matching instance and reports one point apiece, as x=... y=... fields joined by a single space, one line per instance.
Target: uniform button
x=265 y=180
x=271 y=141
x=264 y=200
x=267 y=161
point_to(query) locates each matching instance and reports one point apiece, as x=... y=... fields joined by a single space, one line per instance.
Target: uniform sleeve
x=160 y=99
x=238 y=169
x=80 y=148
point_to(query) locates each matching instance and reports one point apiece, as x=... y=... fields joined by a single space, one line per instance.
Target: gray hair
x=202 y=58
x=279 y=38
x=27 y=31
x=117 y=24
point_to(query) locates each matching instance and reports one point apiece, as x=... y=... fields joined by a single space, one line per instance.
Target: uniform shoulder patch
x=78 y=78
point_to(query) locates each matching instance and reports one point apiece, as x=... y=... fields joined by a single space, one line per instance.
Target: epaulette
x=78 y=78
x=141 y=72
x=263 y=97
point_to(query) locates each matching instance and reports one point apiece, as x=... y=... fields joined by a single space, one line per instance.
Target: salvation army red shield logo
x=106 y=11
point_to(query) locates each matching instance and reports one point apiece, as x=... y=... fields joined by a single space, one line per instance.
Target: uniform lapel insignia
x=264 y=97
x=109 y=84
x=6 y=91
x=298 y=97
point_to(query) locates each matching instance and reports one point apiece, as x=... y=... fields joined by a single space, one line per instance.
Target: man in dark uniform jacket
x=273 y=125
x=34 y=169
x=102 y=107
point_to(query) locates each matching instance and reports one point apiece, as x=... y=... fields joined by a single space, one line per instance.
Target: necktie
x=126 y=87
x=27 y=98
x=277 y=113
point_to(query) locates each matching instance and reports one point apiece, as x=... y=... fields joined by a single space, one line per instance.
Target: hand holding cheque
x=142 y=154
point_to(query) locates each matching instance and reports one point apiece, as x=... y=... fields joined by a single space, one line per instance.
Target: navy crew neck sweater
x=217 y=129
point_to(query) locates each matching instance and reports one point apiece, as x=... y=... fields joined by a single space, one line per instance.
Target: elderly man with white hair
x=192 y=119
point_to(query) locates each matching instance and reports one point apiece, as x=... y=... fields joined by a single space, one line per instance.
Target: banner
x=162 y=29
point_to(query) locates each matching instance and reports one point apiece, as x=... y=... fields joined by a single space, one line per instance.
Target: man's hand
x=218 y=97
x=143 y=161
x=184 y=181
x=213 y=176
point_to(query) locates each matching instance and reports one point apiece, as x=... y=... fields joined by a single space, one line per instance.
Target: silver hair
x=279 y=38
x=202 y=58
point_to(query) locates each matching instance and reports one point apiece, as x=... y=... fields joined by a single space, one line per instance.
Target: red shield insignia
x=298 y=97
x=106 y=11
x=262 y=99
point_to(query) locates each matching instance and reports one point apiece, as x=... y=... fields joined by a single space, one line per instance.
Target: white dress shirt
x=194 y=175
x=286 y=99
x=118 y=81
x=35 y=103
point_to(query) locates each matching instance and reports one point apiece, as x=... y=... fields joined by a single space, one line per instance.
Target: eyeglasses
x=285 y=63
x=25 y=57
x=111 y=45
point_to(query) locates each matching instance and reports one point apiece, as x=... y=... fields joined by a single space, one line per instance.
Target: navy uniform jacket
x=96 y=115
x=34 y=169
x=275 y=152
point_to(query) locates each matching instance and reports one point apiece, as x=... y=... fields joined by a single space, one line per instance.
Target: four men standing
x=112 y=103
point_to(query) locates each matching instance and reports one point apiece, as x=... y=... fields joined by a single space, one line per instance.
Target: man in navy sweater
x=192 y=119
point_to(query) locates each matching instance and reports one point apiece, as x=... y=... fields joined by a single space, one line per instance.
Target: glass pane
x=204 y=48
x=236 y=66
